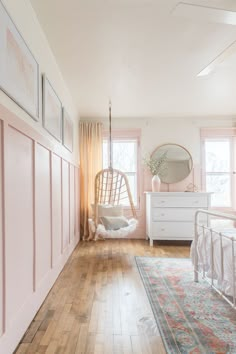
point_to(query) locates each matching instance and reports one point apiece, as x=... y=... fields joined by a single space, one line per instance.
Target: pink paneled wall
x=72 y=202
x=1 y=230
x=43 y=237
x=19 y=221
x=39 y=226
x=65 y=205
x=56 y=208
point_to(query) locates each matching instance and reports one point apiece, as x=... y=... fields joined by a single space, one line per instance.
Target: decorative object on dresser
x=156 y=183
x=157 y=168
x=52 y=110
x=178 y=162
x=191 y=187
x=170 y=215
x=19 y=71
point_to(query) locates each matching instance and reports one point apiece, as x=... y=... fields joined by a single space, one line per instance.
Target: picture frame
x=68 y=130
x=52 y=110
x=19 y=70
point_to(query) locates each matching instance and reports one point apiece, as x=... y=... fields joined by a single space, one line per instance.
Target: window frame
x=128 y=135
x=215 y=135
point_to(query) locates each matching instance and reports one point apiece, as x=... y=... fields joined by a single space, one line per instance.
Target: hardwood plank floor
x=98 y=304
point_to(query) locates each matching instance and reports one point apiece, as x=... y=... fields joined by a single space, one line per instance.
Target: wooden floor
x=98 y=303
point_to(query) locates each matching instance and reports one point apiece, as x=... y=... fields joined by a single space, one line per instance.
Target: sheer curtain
x=90 y=142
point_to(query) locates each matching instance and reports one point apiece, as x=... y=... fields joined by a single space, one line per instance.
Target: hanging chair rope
x=110 y=144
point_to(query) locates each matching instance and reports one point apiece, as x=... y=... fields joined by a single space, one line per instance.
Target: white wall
x=27 y=23
x=183 y=131
x=154 y=132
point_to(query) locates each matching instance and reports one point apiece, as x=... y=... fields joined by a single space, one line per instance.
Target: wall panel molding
x=42 y=212
x=19 y=222
x=34 y=220
x=77 y=206
x=38 y=215
x=56 y=209
x=51 y=211
x=65 y=204
x=72 y=203
x=13 y=120
x=2 y=230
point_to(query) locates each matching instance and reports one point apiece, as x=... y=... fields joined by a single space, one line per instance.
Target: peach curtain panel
x=90 y=142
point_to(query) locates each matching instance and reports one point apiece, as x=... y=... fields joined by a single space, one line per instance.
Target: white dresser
x=170 y=215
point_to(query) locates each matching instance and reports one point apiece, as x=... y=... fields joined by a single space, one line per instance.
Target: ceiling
x=143 y=55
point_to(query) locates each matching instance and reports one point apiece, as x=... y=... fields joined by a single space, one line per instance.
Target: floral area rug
x=192 y=318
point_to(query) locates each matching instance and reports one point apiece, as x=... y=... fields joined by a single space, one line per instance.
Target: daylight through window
x=124 y=158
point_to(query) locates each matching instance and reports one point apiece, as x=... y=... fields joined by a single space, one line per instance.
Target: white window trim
x=128 y=135
x=214 y=136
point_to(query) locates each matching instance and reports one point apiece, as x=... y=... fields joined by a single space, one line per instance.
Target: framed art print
x=19 y=71
x=52 y=110
x=67 y=136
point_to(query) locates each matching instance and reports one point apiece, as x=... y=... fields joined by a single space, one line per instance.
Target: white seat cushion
x=114 y=222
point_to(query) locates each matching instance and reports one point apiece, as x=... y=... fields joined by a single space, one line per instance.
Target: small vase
x=156 y=183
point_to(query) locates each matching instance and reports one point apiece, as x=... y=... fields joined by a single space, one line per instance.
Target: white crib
x=213 y=253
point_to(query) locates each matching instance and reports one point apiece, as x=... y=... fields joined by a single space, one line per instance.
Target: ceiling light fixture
x=204 y=13
x=231 y=49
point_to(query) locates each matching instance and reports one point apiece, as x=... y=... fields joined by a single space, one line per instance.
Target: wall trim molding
x=29 y=162
x=15 y=122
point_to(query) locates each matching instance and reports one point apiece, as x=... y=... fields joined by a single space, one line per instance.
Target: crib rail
x=204 y=229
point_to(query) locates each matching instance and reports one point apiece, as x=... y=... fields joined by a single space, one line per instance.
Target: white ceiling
x=143 y=54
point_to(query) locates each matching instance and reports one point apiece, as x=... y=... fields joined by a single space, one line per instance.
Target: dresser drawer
x=172 y=230
x=192 y=202
x=176 y=214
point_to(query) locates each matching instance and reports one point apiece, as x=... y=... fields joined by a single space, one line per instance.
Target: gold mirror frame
x=177 y=166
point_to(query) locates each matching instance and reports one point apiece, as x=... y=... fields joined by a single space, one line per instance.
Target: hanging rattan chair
x=112 y=189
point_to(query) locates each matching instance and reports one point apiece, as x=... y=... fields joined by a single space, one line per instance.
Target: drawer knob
x=162 y=214
x=162 y=229
x=162 y=201
x=196 y=201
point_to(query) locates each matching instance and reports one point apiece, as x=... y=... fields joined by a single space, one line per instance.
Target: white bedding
x=225 y=280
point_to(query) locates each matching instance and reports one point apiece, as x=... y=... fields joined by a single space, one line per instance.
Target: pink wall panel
x=77 y=216
x=77 y=198
x=19 y=222
x=1 y=229
x=33 y=185
x=65 y=204
x=72 y=203
x=56 y=208
x=42 y=212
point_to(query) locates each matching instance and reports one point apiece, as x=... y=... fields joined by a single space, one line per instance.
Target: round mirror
x=178 y=162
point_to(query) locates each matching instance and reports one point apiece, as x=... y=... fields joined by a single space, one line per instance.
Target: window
x=124 y=158
x=218 y=171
